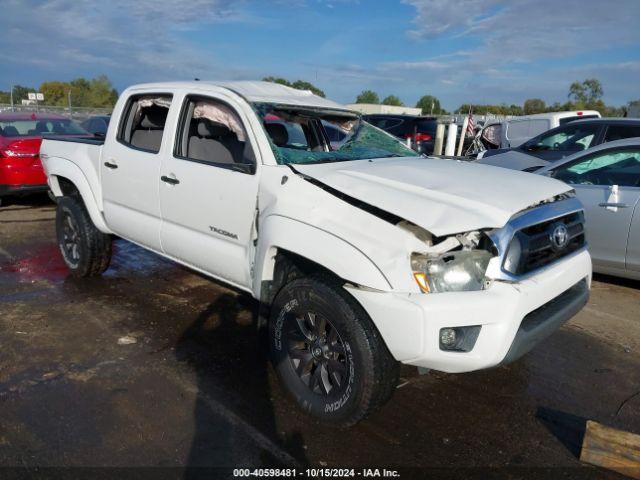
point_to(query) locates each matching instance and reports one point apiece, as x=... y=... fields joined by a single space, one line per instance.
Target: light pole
x=11 y=95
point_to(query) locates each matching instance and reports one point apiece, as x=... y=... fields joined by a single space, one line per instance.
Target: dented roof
x=255 y=91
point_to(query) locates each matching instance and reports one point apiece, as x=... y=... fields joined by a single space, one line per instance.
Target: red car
x=21 y=171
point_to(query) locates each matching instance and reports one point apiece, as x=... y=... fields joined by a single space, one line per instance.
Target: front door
x=130 y=170
x=608 y=184
x=208 y=191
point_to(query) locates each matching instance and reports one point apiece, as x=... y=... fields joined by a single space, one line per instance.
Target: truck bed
x=84 y=153
x=88 y=140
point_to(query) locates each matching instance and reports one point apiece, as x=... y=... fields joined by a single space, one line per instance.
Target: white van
x=518 y=130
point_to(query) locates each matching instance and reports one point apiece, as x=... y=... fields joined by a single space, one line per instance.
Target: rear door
x=209 y=189
x=130 y=169
x=608 y=185
x=619 y=132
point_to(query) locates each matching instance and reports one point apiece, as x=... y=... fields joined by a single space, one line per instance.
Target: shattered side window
x=304 y=135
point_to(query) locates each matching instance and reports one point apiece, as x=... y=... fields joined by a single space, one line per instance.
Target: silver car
x=607 y=181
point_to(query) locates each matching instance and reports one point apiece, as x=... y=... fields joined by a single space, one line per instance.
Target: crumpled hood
x=442 y=196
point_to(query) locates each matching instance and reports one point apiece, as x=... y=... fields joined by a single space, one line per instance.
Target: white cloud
x=520 y=31
x=435 y=17
x=501 y=50
x=138 y=38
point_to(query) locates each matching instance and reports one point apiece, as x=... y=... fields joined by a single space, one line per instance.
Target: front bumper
x=410 y=323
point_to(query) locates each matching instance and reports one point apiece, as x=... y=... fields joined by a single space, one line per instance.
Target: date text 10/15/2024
x=316 y=473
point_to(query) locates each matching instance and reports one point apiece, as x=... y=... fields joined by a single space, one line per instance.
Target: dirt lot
x=153 y=365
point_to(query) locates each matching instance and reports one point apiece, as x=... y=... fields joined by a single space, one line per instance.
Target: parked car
x=560 y=142
x=606 y=179
x=419 y=131
x=20 y=136
x=512 y=133
x=361 y=257
x=96 y=125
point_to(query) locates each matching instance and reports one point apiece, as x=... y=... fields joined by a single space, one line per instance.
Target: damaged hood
x=441 y=196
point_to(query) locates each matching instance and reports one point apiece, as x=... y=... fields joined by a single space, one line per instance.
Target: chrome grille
x=538 y=247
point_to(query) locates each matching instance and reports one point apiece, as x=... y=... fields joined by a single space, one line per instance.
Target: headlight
x=451 y=272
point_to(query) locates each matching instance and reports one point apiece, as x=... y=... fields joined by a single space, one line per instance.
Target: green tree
x=298 y=84
x=302 y=85
x=368 y=96
x=101 y=92
x=430 y=105
x=280 y=80
x=586 y=94
x=485 y=109
x=534 y=105
x=515 y=110
x=392 y=100
x=55 y=93
x=21 y=93
x=97 y=92
x=80 y=92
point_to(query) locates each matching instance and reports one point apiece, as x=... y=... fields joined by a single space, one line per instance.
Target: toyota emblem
x=559 y=237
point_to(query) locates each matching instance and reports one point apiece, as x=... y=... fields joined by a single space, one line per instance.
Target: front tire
x=85 y=249
x=327 y=352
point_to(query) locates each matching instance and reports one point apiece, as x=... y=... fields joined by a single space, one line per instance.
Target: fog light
x=459 y=339
x=448 y=337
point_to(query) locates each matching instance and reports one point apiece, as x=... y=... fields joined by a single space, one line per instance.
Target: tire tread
x=98 y=244
x=382 y=374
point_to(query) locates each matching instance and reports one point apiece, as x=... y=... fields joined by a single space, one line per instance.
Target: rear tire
x=327 y=352
x=85 y=249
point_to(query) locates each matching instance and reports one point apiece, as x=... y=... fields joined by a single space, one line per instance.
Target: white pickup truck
x=364 y=254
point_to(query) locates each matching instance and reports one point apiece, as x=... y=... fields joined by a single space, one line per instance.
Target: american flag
x=471 y=126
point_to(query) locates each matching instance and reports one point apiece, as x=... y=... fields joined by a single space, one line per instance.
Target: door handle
x=616 y=205
x=170 y=180
x=113 y=166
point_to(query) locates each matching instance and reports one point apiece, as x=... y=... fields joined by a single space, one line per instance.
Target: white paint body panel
x=293 y=214
x=410 y=323
x=440 y=195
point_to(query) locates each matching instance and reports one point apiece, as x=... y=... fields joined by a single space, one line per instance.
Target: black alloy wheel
x=317 y=353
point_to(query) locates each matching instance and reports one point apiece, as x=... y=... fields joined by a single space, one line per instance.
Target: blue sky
x=480 y=51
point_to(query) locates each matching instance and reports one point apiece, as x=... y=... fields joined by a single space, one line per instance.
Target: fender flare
x=60 y=167
x=322 y=247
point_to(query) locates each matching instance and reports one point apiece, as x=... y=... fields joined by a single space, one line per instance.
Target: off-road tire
x=371 y=372
x=91 y=253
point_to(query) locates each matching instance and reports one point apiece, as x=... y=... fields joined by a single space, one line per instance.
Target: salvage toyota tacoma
x=362 y=254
